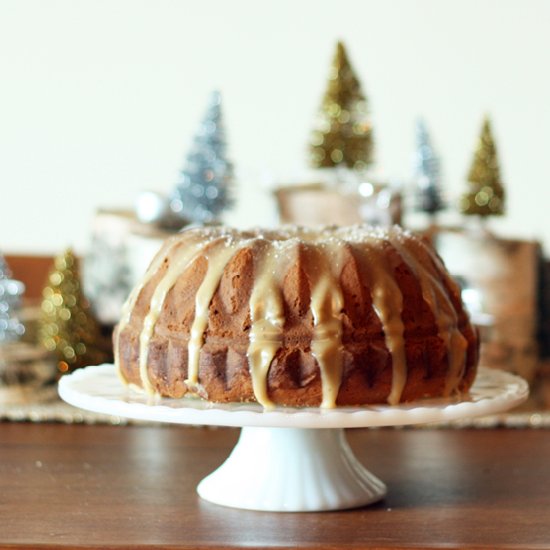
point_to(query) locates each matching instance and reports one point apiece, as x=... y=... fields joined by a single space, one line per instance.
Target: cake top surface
x=319 y=235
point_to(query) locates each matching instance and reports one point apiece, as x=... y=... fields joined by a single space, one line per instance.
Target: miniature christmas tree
x=204 y=190
x=11 y=292
x=68 y=327
x=427 y=173
x=5 y=271
x=486 y=195
x=343 y=133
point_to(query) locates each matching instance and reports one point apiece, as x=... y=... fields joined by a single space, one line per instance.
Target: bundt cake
x=333 y=316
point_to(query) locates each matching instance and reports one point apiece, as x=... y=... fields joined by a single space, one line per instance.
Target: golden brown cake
x=297 y=317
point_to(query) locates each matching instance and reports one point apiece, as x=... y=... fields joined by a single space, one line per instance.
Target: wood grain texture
x=80 y=486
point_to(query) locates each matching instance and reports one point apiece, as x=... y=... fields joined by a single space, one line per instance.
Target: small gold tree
x=343 y=132
x=67 y=327
x=486 y=195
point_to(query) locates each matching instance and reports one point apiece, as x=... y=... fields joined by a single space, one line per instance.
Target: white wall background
x=99 y=98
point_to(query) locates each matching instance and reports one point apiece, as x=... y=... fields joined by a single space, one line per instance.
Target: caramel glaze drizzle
x=437 y=299
x=128 y=306
x=218 y=256
x=327 y=303
x=387 y=301
x=183 y=258
x=266 y=315
x=266 y=302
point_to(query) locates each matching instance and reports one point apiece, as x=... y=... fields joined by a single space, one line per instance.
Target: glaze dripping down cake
x=298 y=317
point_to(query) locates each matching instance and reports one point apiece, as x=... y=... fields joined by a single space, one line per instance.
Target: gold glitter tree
x=343 y=132
x=486 y=195
x=67 y=326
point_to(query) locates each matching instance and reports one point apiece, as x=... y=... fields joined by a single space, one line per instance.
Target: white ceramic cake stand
x=288 y=459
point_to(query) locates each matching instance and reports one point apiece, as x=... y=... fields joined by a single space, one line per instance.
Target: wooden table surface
x=134 y=486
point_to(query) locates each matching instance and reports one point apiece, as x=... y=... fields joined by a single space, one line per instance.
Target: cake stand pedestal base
x=292 y=470
x=289 y=459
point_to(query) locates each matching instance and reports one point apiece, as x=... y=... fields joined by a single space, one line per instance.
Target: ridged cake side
x=338 y=316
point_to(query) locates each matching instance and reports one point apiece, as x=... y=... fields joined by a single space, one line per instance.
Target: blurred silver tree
x=204 y=191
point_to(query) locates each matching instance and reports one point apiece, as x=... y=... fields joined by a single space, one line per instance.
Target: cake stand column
x=291 y=470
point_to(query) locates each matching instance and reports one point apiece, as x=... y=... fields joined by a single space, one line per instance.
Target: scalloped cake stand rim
x=99 y=389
